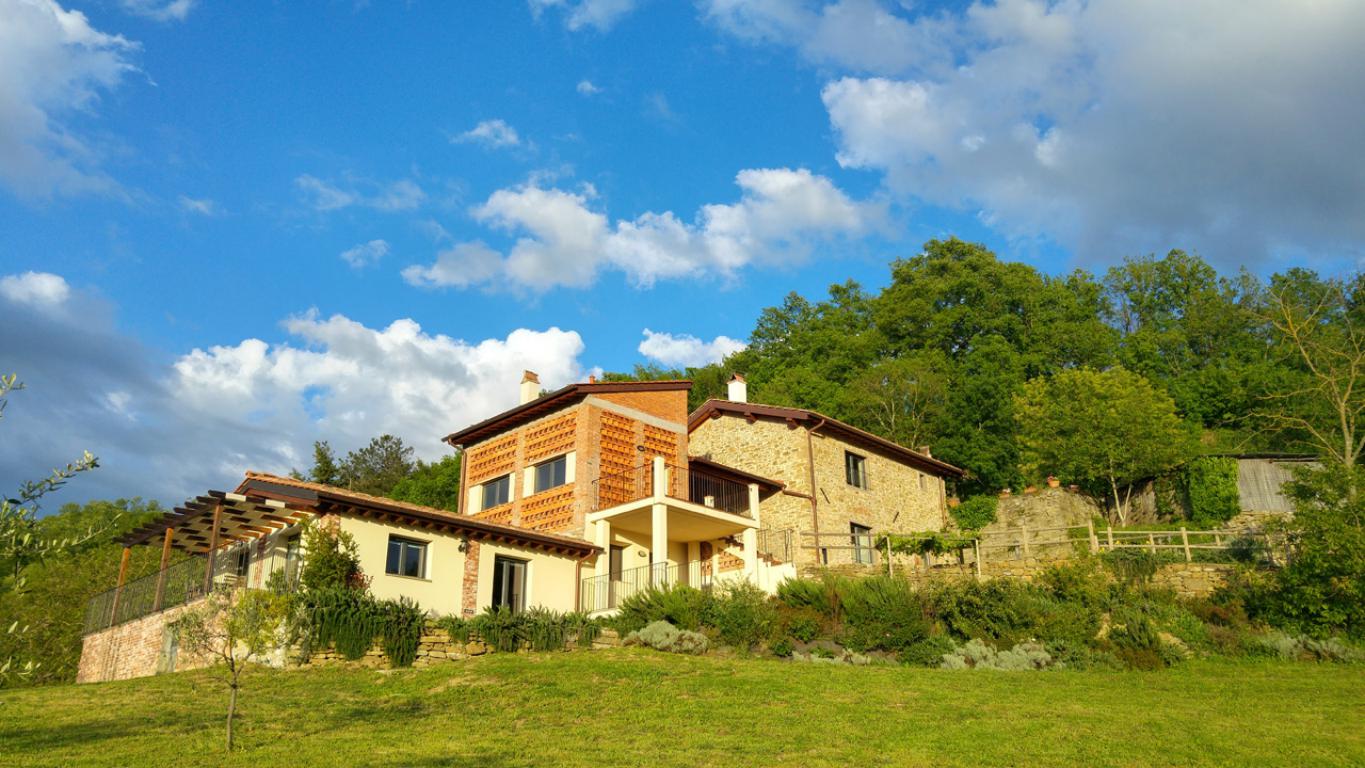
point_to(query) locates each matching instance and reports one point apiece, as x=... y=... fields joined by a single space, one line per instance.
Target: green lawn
x=636 y=707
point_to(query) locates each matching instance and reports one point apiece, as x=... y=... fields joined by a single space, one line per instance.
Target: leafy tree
x=330 y=558
x=1103 y=429
x=235 y=627
x=1211 y=489
x=900 y=399
x=435 y=485
x=378 y=467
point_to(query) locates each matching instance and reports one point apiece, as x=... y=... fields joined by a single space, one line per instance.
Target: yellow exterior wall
x=439 y=592
x=551 y=580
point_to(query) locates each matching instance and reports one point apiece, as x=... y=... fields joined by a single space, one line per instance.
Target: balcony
x=702 y=487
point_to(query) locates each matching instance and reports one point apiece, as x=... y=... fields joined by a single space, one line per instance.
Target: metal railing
x=607 y=592
x=684 y=483
x=776 y=544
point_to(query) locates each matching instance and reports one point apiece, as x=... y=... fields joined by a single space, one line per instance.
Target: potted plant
x=1053 y=482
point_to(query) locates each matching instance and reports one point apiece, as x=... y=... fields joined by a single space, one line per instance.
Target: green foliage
x=1103 y=429
x=330 y=558
x=662 y=636
x=881 y=614
x=457 y=627
x=1211 y=489
x=975 y=513
x=400 y=630
x=742 y=615
x=1131 y=565
x=818 y=595
x=537 y=629
x=433 y=485
x=975 y=654
x=678 y=604
x=928 y=652
x=1321 y=591
x=804 y=624
x=929 y=542
x=351 y=620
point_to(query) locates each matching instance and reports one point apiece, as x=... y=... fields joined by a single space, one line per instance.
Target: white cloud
x=53 y=66
x=169 y=430
x=461 y=266
x=601 y=15
x=364 y=254
x=687 y=351
x=781 y=215
x=36 y=289
x=159 y=10
x=202 y=206
x=586 y=88
x=324 y=196
x=1113 y=128
x=490 y=133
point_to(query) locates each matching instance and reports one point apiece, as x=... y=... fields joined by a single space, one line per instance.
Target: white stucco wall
x=438 y=592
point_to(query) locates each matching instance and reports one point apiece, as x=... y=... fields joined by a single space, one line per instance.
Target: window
x=862 y=543
x=855 y=469
x=497 y=492
x=509 y=583
x=243 y=562
x=551 y=474
x=406 y=558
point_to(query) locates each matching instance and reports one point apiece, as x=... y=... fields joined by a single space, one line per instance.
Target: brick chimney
x=530 y=386
x=738 y=390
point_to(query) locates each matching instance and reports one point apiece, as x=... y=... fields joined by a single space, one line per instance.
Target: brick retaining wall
x=136 y=648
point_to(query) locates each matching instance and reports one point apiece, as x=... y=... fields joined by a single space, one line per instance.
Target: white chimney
x=530 y=386
x=739 y=391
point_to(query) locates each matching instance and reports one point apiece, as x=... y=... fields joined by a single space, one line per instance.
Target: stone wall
x=436 y=646
x=136 y=648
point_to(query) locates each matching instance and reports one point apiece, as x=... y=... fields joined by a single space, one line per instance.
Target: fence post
x=1151 y=543
x=1109 y=534
x=1185 y=541
x=122 y=576
x=1090 y=536
x=161 y=575
x=1023 y=540
x=889 y=571
x=976 y=545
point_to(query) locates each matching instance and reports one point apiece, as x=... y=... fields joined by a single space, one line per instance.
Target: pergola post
x=122 y=577
x=161 y=575
x=213 y=547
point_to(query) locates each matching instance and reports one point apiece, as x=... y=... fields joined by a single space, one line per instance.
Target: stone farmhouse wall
x=898 y=497
x=1189 y=580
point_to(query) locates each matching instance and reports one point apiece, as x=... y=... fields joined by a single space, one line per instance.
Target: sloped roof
x=715 y=408
x=560 y=398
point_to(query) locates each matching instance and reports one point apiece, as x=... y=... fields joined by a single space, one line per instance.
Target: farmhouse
x=572 y=500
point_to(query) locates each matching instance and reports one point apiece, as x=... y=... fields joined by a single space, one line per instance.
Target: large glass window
x=509 y=583
x=407 y=557
x=497 y=492
x=862 y=543
x=855 y=469
x=552 y=473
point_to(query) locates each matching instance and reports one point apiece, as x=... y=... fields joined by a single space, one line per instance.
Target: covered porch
x=696 y=525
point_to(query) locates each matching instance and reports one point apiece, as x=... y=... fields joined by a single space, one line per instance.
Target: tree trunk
x=232 y=712
x=1118 y=503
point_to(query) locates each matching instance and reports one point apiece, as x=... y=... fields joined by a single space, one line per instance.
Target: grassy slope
x=632 y=707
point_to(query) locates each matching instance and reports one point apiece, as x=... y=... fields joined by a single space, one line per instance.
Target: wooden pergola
x=207 y=523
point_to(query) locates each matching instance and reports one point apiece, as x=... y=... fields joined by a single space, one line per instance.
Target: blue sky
x=229 y=229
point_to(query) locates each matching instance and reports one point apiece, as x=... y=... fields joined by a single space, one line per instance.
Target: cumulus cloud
x=35 y=289
x=687 y=351
x=324 y=196
x=1109 y=127
x=460 y=266
x=601 y=15
x=167 y=429
x=159 y=10
x=587 y=88
x=364 y=254
x=781 y=215
x=53 y=68
x=490 y=133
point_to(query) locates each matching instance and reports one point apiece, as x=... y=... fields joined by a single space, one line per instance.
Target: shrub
x=400 y=630
x=1298 y=647
x=351 y=620
x=928 y=652
x=662 y=636
x=330 y=560
x=1211 y=489
x=881 y=614
x=978 y=655
x=804 y=624
x=1135 y=641
x=742 y=615
x=1130 y=565
x=499 y=627
x=678 y=604
x=455 y=626
x=818 y=595
x=1006 y=613
x=782 y=647
x=975 y=513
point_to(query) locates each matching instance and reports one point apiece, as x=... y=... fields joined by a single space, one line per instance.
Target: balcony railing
x=184 y=584
x=607 y=592
x=683 y=483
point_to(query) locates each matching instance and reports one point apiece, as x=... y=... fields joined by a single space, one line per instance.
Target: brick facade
x=469 y=594
x=136 y=648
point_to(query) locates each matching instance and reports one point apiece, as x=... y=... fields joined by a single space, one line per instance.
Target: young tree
x=235 y=627
x=330 y=560
x=1104 y=430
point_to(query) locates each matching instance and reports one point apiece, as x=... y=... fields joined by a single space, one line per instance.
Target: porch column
x=753 y=501
x=694 y=563
x=213 y=548
x=603 y=540
x=660 y=478
x=161 y=576
x=659 y=543
x=750 y=539
x=122 y=577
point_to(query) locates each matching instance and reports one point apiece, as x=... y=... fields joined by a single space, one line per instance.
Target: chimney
x=530 y=386
x=592 y=379
x=739 y=391
x=924 y=449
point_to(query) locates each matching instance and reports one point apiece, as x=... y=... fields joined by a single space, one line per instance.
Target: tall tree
x=378 y=467
x=434 y=485
x=901 y=399
x=1104 y=430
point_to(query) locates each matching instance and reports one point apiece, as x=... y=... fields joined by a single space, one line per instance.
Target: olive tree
x=1103 y=430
